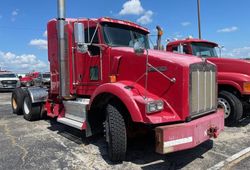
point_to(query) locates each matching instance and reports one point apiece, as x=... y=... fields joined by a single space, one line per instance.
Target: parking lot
x=46 y=144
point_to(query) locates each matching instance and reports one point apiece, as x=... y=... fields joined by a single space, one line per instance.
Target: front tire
x=116 y=135
x=232 y=106
x=31 y=111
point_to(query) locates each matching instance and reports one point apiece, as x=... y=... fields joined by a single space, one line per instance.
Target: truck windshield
x=124 y=36
x=46 y=75
x=204 y=50
x=7 y=75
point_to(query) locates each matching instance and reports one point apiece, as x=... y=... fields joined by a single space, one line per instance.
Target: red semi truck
x=104 y=78
x=28 y=79
x=233 y=75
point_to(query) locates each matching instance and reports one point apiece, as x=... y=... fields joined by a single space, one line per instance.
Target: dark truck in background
x=42 y=80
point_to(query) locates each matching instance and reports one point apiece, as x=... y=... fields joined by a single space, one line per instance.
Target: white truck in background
x=8 y=81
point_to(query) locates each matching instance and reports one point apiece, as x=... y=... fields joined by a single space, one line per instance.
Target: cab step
x=70 y=122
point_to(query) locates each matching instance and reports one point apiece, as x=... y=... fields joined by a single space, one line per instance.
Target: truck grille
x=13 y=82
x=202 y=89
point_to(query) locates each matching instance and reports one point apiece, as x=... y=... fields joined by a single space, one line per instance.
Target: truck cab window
x=185 y=49
x=204 y=50
x=175 y=49
x=116 y=35
x=94 y=50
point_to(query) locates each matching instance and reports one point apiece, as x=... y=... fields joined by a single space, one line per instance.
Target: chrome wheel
x=222 y=103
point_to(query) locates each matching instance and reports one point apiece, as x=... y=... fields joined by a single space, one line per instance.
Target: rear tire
x=17 y=98
x=232 y=106
x=31 y=111
x=116 y=135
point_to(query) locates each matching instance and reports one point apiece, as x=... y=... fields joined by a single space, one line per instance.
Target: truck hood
x=24 y=79
x=231 y=65
x=174 y=58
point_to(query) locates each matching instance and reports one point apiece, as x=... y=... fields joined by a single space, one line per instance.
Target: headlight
x=154 y=106
x=246 y=87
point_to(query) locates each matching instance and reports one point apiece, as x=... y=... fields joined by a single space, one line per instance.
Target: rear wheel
x=232 y=107
x=31 y=111
x=116 y=135
x=17 y=98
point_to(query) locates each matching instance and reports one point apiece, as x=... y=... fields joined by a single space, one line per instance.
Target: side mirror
x=80 y=37
x=180 y=49
x=139 y=48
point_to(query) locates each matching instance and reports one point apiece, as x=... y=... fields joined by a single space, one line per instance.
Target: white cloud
x=132 y=7
x=39 y=43
x=22 y=63
x=146 y=18
x=242 y=52
x=15 y=12
x=186 y=23
x=229 y=29
x=45 y=34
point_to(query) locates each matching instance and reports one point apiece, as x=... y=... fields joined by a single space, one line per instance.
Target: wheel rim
x=223 y=103
x=25 y=106
x=14 y=105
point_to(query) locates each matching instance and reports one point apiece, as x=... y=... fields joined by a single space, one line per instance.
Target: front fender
x=233 y=79
x=125 y=95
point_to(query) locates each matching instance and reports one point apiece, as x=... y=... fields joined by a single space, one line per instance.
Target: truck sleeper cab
x=112 y=82
x=233 y=76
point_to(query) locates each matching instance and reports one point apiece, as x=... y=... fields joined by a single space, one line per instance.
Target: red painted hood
x=174 y=58
x=231 y=65
x=25 y=79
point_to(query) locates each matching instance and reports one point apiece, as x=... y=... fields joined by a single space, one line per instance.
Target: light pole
x=199 y=18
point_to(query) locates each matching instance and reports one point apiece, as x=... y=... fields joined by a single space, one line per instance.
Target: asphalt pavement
x=47 y=144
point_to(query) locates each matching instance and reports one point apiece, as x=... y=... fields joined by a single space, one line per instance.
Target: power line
x=21 y=28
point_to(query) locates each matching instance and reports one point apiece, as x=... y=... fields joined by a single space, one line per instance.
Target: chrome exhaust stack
x=62 y=56
x=159 y=35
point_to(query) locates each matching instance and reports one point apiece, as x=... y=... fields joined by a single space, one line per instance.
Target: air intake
x=202 y=89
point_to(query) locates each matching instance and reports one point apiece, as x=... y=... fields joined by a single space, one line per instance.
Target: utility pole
x=199 y=18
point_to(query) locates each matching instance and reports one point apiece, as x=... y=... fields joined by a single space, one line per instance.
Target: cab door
x=87 y=65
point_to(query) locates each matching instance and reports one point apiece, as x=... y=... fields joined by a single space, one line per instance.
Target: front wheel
x=232 y=107
x=116 y=135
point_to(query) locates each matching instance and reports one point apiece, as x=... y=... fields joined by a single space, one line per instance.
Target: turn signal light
x=246 y=87
x=112 y=79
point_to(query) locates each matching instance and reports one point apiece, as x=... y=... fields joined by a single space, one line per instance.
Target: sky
x=23 y=36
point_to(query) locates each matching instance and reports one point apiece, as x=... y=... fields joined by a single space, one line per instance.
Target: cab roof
x=110 y=20
x=191 y=40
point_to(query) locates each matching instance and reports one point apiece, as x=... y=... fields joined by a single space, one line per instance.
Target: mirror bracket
x=82 y=48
